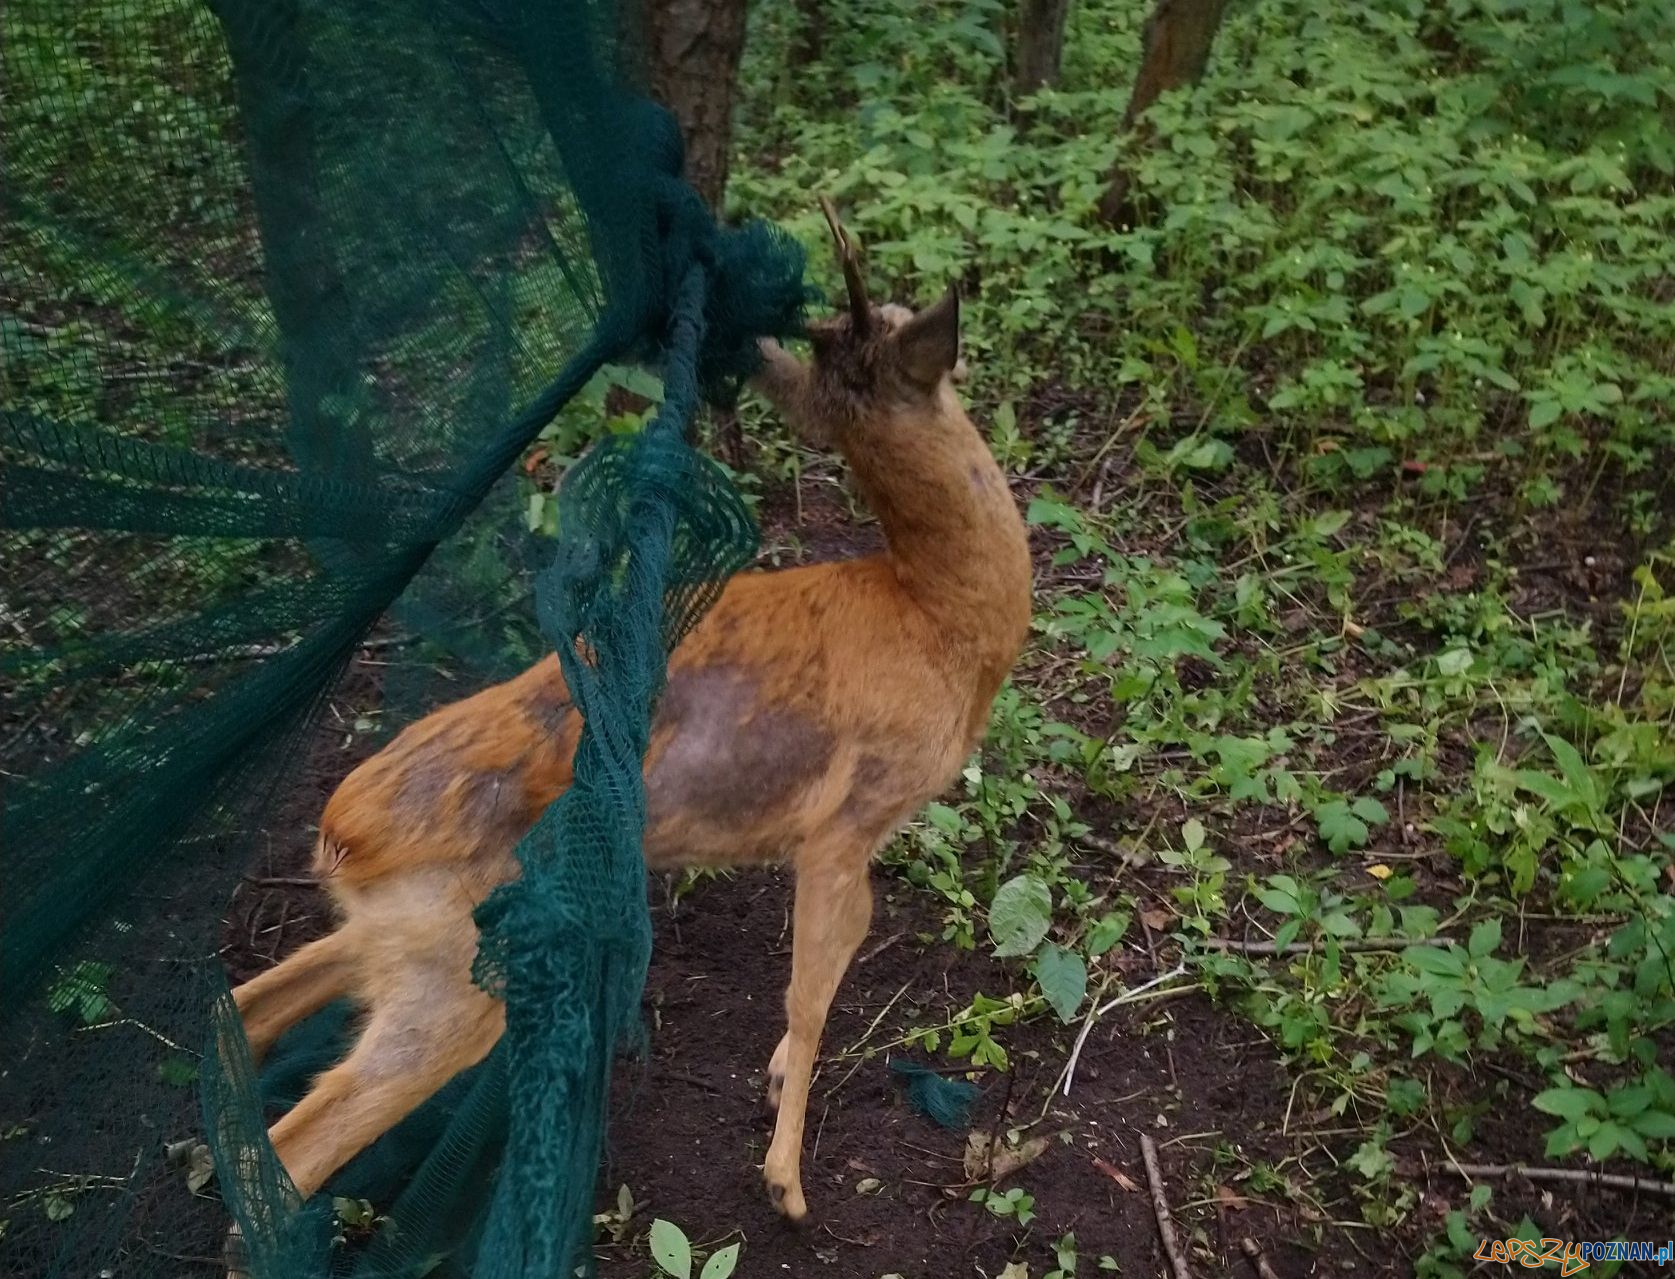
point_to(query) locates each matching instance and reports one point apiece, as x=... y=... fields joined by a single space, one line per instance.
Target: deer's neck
x=953 y=532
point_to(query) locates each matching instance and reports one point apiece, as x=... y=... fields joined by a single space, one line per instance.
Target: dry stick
x=1253 y=1254
x=1309 y=947
x=873 y=1025
x=854 y=1049
x=1578 y=1176
x=1095 y=1013
x=1160 y=1209
x=879 y=949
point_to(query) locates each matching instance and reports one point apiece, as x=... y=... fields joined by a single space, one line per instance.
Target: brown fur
x=809 y=715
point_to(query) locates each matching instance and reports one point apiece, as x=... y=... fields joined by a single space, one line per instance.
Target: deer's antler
x=860 y=307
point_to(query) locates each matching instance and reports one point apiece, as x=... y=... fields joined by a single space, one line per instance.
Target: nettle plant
x=1455 y=998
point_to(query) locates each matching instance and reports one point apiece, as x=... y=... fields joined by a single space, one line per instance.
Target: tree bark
x=1177 y=48
x=808 y=46
x=693 y=49
x=268 y=50
x=1040 y=45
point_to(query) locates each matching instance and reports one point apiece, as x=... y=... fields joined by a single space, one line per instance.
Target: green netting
x=285 y=288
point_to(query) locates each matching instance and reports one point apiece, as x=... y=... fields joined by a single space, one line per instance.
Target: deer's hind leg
x=305 y=982
x=419 y=1034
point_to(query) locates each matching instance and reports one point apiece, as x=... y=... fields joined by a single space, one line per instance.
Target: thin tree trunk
x=1040 y=45
x=267 y=47
x=808 y=46
x=1177 y=48
x=693 y=49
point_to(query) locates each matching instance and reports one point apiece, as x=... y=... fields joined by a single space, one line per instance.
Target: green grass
x=1351 y=461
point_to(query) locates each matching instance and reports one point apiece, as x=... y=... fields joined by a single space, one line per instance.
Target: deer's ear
x=782 y=379
x=928 y=345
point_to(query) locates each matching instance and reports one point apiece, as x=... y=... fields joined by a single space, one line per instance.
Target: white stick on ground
x=1094 y=1014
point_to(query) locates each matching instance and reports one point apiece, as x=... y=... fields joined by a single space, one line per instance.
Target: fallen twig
x=681 y=1076
x=138 y=1025
x=1253 y=1254
x=1574 y=1176
x=1160 y=1209
x=879 y=949
x=1098 y=1011
x=873 y=1025
x=1310 y=947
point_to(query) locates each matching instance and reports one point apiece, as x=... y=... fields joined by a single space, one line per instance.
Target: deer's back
x=807 y=700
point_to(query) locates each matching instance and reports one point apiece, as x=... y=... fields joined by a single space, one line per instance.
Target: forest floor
x=1249 y=1151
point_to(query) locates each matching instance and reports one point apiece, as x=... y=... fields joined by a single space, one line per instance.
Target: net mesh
x=286 y=286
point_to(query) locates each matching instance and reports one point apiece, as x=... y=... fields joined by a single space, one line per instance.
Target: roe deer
x=807 y=717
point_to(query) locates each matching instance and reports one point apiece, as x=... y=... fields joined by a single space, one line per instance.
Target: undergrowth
x=1347 y=463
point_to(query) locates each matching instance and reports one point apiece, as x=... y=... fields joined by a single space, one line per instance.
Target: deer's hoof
x=776 y=1087
x=788 y=1201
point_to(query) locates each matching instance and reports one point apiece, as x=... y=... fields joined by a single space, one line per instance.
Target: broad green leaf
x=1485 y=937
x=1019 y=916
x=1625 y=1102
x=1403 y=1095
x=1340 y=923
x=1546 y=786
x=722 y=1263
x=1563 y=1140
x=1574 y=768
x=1586 y=885
x=1107 y=932
x=1064 y=979
x=1454 y=661
x=1567 y=1103
x=670 y=1249
x=1339 y=827
x=1659 y=1125
x=1370 y=811
x=1440 y=961
x=1326 y=524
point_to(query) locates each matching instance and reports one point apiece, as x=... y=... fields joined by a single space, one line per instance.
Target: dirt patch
x=886 y=1187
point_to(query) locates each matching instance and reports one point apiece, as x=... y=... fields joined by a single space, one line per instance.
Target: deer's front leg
x=833 y=910
x=776 y=1071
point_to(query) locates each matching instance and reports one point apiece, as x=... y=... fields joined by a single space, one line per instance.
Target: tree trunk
x=268 y=52
x=1040 y=45
x=808 y=46
x=1177 y=47
x=693 y=49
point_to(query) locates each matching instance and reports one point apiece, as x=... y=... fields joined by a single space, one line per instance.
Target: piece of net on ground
x=286 y=286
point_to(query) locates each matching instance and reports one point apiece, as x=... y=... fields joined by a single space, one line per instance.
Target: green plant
x=1016 y=1203
x=83 y=990
x=1618 y=1121
x=1441 y=985
x=673 y=1253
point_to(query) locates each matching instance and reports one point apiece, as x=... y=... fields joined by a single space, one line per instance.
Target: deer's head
x=872 y=366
